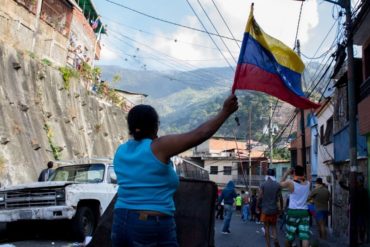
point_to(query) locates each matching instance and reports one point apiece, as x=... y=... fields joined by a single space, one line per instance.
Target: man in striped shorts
x=298 y=217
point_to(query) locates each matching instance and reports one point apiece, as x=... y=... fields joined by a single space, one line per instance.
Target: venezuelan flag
x=267 y=65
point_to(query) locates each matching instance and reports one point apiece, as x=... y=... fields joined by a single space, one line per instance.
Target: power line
x=169 y=22
x=209 y=19
x=176 y=40
x=299 y=21
x=164 y=54
x=232 y=35
x=210 y=36
x=163 y=75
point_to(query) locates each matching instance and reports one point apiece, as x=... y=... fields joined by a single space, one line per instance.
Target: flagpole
x=302 y=123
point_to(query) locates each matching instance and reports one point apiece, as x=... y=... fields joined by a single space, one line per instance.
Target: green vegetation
x=55 y=150
x=116 y=78
x=46 y=62
x=198 y=112
x=2 y=162
x=32 y=54
x=2 y=165
x=279 y=154
x=67 y=74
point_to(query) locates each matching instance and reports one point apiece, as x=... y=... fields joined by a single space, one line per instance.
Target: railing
x=256 y=180
x=187 y=169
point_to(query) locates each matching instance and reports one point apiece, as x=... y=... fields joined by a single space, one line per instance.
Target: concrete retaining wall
x=37 y=113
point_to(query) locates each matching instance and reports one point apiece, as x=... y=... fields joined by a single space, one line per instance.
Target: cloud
x=107 y=54
x=184 y=49
x=278 y=18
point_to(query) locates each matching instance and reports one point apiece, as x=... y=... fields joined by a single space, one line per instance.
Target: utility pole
x=250 y=153
x=302 y=124
x=270 y=136
x=352 y=111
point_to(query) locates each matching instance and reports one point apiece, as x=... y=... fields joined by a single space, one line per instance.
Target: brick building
x=59 y=31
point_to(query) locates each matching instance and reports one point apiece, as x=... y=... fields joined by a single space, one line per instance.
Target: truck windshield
x=86 y=173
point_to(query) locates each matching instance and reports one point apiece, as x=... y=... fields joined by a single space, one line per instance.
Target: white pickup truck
x=79 y=193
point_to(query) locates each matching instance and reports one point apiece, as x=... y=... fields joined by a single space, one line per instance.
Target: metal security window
x=214 y=170
x=227 y=170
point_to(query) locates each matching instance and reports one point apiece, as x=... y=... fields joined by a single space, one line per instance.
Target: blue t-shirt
x=145 y=183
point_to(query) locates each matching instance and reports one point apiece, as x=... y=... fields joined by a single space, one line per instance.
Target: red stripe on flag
x=251 y=77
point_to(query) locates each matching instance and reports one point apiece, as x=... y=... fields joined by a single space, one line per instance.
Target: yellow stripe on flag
x=282 y=53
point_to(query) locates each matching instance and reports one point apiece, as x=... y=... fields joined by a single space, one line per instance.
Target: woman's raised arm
x=167 y=146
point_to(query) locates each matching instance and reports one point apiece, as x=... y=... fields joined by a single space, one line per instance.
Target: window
x=214 y=170
x=328 y=136
x=84 y=173
x=322 y=140
x=112 y=178
x=227 y=170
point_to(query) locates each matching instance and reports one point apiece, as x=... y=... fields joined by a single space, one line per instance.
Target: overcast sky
x=138 y=42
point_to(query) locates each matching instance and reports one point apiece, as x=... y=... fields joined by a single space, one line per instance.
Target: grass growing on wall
x=2 y=165
x=67 y=74
x=54 y=149
x=46 y=62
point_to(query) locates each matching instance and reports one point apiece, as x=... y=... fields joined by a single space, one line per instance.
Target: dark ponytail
x=142 y=122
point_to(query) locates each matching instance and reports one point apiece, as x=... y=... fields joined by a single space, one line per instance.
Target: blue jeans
x=228 y=209
x=128 y=230
x=245 y=211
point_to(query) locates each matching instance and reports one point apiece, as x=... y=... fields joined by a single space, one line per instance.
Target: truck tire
x=83 y=223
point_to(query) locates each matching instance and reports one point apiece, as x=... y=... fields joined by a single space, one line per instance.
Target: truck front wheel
x=83 y=223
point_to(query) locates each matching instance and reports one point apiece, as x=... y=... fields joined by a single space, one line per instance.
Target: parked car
x=79 y=193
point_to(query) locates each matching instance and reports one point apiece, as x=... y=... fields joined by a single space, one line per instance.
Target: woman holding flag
x=144 y=211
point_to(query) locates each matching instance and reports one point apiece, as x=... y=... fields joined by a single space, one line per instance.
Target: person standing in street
x=144 y=210
x=238 y=203
x=297 y=215
x=270 y=194
x=47 y=172
x=321 y=198
x=228 y=195
x=253 y=207
x=245 y=206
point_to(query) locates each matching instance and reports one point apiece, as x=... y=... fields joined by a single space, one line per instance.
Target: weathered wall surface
x=38 y=115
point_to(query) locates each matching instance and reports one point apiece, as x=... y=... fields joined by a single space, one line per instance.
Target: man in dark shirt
x=228 y=195
x=270 y=194
x=46 y=173
x=321 y=197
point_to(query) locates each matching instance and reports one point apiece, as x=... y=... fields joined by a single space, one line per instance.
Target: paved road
x=242 y=234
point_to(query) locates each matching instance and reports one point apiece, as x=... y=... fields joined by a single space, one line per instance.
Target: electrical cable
x=214 y=27
x=158 y=36
x=210 y=36
x=170 y=57
x=223 y=19
x=168 y=22
x=156 y=59
x=299 y=21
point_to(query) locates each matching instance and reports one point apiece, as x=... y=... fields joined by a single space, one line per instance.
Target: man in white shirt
x=298 y=216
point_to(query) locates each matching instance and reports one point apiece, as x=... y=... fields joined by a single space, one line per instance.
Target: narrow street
x=243 y=234
x=250 y=234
